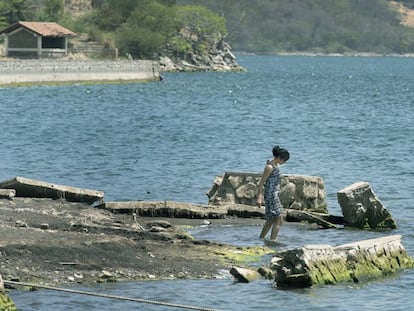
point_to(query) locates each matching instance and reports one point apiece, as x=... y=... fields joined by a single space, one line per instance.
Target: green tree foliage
x=147 y=29
x=144 y=28
x=335 y=26
x=53 y=10
x=199 y=29
x=12 y=11
x=111 y=14
x=201 y=22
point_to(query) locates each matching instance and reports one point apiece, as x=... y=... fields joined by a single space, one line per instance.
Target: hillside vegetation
x=329 y=26
x=149 y=28
x=141 y=29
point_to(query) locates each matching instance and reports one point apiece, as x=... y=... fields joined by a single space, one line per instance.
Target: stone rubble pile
x=234 y=194
x=360 y=206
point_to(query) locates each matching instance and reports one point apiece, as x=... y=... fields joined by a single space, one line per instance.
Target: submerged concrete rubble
x=93 y=229
x=306 y=195
x=324 y=264
x=25 y=187
x=353 y=262
x=362 y=208
x=182 y=209
x=296 y=191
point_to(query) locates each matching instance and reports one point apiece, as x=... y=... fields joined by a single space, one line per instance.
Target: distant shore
x=361 y=54
x=349 y=54
x=21 y=72
x=55 y=71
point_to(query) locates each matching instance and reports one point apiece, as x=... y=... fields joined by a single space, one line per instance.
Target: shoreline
x=321 y=54
x=57 y=242
x=32 y=72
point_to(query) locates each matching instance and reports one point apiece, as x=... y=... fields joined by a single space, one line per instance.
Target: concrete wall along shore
x=38 y=71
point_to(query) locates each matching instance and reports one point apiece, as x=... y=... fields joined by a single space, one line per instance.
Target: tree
x=147 y=29
x=53 y=10
x=318 y=25
x=201 y=23
x=12 y=11
x=200 y=30
x=109 y=15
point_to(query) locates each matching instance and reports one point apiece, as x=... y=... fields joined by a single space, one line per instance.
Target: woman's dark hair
x=281 y=153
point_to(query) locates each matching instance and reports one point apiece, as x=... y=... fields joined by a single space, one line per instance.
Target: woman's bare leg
x=276 y=226
x=267 y=226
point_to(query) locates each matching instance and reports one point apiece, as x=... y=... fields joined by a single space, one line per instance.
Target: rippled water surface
x=344 y=119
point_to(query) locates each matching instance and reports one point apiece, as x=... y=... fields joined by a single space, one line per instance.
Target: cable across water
x=74 y=291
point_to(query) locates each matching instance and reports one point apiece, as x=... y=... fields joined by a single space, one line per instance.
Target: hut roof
x=45 y=29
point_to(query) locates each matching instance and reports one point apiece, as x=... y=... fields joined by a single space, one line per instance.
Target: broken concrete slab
x=353 y=262
x=244 y=275
x=182 y=209
x=7 y=193
x=26 y=187
x=242 y=210
x=166 y=209
x=362 y=209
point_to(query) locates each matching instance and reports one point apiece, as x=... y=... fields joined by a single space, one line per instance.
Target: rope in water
x=73 y=291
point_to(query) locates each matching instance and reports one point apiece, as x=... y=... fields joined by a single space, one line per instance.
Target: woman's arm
x=266 y=173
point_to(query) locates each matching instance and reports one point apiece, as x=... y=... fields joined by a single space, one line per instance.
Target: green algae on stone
x=329 y=272
x=243 y=255
x=6 y=303
x=362 y=268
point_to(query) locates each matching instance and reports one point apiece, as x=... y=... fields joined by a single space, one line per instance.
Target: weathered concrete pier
x=42 y=71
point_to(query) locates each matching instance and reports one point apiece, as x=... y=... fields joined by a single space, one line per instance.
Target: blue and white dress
x=271 y=194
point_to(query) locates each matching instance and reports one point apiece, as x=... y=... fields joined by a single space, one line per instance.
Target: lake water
x=345 y=119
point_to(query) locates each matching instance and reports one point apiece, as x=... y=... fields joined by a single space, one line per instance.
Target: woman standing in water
x=271 y=182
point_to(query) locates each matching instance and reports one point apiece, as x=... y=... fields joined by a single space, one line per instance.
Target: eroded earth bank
x=49 y=241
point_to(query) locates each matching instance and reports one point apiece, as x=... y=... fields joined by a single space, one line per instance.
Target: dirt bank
x=54 y=242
